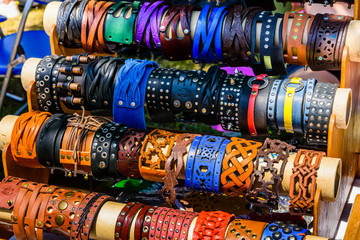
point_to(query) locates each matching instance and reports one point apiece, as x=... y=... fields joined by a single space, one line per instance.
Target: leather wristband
x=273 y=151
x=243 y=107
x=145 y=226
x=278 y=230
x=309 y=92
x=245 y=230
x=320 y=112
x=238 y=166
x=23 y=138
x=212 y=225
x=152 y=157
x=139 y=221
x=155 y=225
x=305 y=168
x=125 y=219
x=271 y=107
x=9 y=188
x=129 y=152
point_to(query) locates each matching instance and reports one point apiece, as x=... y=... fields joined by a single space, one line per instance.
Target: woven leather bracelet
x=152 y=157
x=238 y=166
x=305 y=168
x=245 y=230
x=212 y=225
x=23 y=138
x=272 y=152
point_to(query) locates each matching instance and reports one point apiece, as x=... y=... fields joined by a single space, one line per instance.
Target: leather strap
x=305 y=168
x=279 y=230
x=9 y=189
x=272 y=152
x=145 y=227
x=139 y=222
x=238 y=166
x=245 y=230
x=271 y=107
x=129 y=152
x=159 y=213
x=125 y=219
x=152 y=157
x=23 y=138
x=310 y=87
x=212 y=225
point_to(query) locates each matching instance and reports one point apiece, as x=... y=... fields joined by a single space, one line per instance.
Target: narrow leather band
x=245 y=230
x=23 y=138
x=280 y=229
x=212 y=225
x=145 y=227
x=273 y=151
x=271 y=108
x=124 y=220
x=305 y=168
x=139 y=222
x=238 y=166
x=152 y=158
x=310 y=87
x=158 y=213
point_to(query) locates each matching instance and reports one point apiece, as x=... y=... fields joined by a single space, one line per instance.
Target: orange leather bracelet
x=152 y=157
x=23 y=138
x=245 y=230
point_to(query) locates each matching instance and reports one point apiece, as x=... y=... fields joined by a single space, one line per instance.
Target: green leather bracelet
x=117 y=26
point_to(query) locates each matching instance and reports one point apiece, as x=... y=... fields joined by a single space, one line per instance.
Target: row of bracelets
x=38 y=207
x=225 y=35
x=106 y=150
x=325 y=2
x=250 y=105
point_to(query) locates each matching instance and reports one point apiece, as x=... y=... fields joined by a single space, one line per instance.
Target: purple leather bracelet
x=155 y=20
x=144 y=15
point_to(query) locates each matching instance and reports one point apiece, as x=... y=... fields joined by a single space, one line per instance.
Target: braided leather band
x=174 y=165
x=152 y=157
x=305 y=168
x=212 y=225
x=320 y=112
x=281 y=230
x=294 y=49
x=9 y=189
x=23 y=138
x=125 y=219
x=60 y=210
x=86 y=214
x=272 y=152
x=238 y=166
x=245 y=230
x=129 y=152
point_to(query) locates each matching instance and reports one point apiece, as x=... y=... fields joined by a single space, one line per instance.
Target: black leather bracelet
x=320 y=112
x=271 y=108
x=55 y=89
x=49 y=141
x=243 y=107
x=261 y=105
x=103 y=166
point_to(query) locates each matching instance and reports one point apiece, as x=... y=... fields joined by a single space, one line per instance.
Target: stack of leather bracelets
x=95 y=146
x=250 y=105
x=38 y=207
x=225 y=35
x=325 y=2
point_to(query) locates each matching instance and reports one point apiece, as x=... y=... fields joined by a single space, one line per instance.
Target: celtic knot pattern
x=156 y=149
x=306 y=164
x=272 y=152
x=238 y=166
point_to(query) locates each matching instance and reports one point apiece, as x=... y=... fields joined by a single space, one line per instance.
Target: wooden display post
x=353 y=227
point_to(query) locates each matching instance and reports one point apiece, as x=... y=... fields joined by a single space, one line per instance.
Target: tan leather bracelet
x=245 y=230
x=152 y=157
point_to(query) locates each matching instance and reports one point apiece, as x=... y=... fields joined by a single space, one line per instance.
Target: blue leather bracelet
x=190 y=161
x=307 y=102
x=281 y=230
x=218 y=166
x=201 y=23
x=129 y=92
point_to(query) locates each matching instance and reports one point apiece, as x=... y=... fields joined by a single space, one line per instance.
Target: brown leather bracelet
x=174 y=165
x=23 y=138
x=129 y=152
x=238 y=166
x=140 y=221
x=273 y=151
x=9 y=189
x=245 y=230
x=152 y=158
x=306 y=164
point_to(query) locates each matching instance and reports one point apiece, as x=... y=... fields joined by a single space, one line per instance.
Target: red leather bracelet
x=126 y=224
x=159 y=212
x=185 y=227
x=140 y=221
x=9 y=189
x=145 y=227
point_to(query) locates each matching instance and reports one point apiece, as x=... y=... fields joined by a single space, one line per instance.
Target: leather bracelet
x=320 y=112
x=23 y=138
x=9 y=188
x=295 y=50
x=60 y=208
x=271 y=108
x=145 y=226
x=104 y=152
x=245 y=229
x=129 y=152
x=162 y=231
x=238 y=166
x=139 y=221
x=188 y=218
x=208 y=156
x=229 y=102
x=85 y=215
x=158 y=213
x=121 y=33
x=212 y=225
x=174 y=165
x=307 y=101
x=255 y=88
x=249 y=14
x=48 y=142
x=243 y=107
x=66 y=32
x=280 y=229
x=152 y=158
x=273 y=151
x=304 y=174
x=125 y=218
